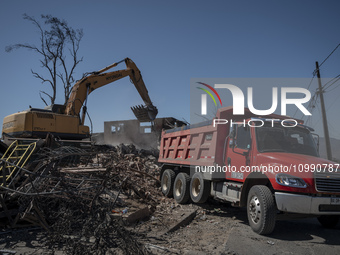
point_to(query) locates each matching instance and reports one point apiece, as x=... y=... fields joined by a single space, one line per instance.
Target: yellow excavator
x=67 y=121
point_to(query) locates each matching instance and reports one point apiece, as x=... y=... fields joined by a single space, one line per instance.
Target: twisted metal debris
x=70 y=193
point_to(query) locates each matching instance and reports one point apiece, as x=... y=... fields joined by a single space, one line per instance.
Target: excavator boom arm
x=85 y=86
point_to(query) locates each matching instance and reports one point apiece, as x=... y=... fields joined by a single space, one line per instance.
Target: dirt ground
x=216 y=229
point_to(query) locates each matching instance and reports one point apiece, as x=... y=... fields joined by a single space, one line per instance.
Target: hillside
x=335 y=144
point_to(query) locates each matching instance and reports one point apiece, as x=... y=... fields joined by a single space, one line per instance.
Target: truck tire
x=181 y=189
x=261 y=209
x=329 y=221
x=167 y=182
x=199 y=189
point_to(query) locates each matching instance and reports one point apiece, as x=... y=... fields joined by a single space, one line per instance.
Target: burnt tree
x=58 y=50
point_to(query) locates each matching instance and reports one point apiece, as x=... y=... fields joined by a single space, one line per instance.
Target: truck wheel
x=167 y=182
x=329 y=221
x=182 y=188
x=261 y=209
x=199 y=189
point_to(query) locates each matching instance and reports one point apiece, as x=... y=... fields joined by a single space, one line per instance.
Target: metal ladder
x=13 y=161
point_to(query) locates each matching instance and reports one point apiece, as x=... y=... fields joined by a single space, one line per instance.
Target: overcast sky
x=172 y=42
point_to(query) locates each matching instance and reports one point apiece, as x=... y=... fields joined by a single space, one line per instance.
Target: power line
x=337 y=78
x=323 y=87
x=310 y=83
x=334 y=87
x=330 y=54
x=336 y=100
x=314 y=73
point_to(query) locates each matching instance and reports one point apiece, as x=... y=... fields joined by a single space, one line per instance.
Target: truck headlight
x=290 y=181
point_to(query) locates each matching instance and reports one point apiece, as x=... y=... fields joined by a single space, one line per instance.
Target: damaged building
x=145 y=135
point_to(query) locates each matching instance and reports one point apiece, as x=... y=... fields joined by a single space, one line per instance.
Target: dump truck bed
x=192 y=145
x=201 y=144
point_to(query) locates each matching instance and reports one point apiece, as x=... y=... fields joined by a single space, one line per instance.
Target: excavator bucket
x=145 y=113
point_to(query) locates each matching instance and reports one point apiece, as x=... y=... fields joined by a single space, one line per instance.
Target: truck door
x=238 y=150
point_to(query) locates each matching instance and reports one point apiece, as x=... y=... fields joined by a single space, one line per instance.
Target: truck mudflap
x=305 y=204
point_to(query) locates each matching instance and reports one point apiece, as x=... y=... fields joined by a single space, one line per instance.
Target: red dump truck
x=269 y=165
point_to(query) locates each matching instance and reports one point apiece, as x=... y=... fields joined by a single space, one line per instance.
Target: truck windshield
x=285 y=139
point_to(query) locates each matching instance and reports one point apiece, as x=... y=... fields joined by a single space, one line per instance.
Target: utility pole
x=323 y=112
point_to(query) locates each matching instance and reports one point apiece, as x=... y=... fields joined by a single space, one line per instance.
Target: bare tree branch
x=43 y=80
x=55 y=37
x=42 y=97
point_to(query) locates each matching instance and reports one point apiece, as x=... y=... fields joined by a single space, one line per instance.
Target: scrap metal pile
x=75 y=196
